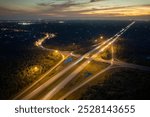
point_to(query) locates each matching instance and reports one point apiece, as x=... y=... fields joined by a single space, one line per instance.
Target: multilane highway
x=105 y=45
x=89 y=56
x=81 y=67
x=58 y=75
x=113 y=64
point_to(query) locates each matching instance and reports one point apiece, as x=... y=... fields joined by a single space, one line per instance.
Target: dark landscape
x=22 y=62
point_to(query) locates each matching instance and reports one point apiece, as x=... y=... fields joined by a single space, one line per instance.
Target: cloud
x=57 y=9
x=43 y=4
x=70 y=9
x=97 y=0
x=76 y=9
x=65 y=3
x=6 y=11
x=125 y=11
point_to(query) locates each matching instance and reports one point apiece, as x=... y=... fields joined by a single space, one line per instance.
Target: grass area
x=76 y=48
x=120 y=84
x=24 y=69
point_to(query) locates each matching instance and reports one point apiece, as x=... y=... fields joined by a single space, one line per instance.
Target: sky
x=74 y=9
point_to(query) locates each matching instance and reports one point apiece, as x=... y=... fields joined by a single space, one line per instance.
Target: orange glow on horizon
x=129 y=11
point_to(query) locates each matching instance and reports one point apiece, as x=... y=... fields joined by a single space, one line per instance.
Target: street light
x=56 y=51
x=96 y=40
x=101 y=37
x=36 y=69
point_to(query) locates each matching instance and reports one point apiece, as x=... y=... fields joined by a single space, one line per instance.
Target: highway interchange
x=53 y=84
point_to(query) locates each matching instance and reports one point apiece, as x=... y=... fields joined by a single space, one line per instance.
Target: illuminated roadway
x=100 y=48
x=51 y=80
x=57 y=88
x=54 y=78
x=84 y=83
x=113 y=64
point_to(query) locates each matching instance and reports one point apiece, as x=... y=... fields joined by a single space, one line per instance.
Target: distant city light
x=61 y=22
x=24 y=23
x=52 y=35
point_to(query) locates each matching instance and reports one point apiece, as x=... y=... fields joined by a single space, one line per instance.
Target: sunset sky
x=74 y=9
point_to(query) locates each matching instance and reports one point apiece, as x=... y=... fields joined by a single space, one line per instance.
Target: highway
x=117 y=64
x=57 y=88
x=107 y=43
x=113 y=64
x=84 y=83
x=58 y=75
x=89 y=56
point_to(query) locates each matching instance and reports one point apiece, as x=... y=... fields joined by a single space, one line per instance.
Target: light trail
x=75 y=72
x=58 y=87
x=65 y=81
x=57 y=76
x=84 y=83
x=54 y=78
x=112 y=62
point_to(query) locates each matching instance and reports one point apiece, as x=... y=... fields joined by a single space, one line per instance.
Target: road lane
x=65 y=81
x=84 y=83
